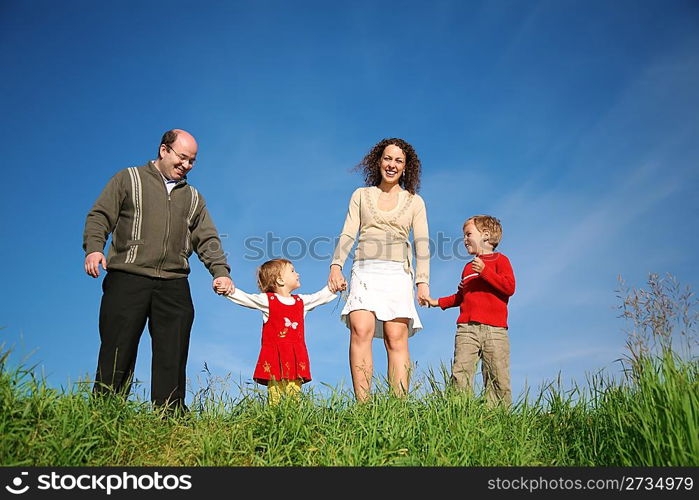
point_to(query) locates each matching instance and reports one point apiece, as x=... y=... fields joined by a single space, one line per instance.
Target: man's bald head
x=176 y=154
x=171 y=136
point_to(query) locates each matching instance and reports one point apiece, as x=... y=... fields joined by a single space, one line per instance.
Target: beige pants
x=277 y=389
x=490 y=344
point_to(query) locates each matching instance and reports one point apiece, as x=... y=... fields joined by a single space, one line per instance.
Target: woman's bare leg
x=362 y=326
x=395 y=338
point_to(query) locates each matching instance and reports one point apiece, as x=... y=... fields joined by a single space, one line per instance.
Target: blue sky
x=575 y=123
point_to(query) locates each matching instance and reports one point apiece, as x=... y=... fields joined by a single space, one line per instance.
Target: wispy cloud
x=551 y=232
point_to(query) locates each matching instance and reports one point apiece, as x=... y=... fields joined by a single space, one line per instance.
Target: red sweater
x=483 y=297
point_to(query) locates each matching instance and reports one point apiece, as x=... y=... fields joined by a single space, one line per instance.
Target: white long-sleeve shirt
x=260 y=301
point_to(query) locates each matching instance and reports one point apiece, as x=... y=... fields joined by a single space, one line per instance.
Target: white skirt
x=384 y=288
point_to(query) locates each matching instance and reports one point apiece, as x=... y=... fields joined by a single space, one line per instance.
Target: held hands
x=423 y=290
x=92 y=263
x=223 y=285
x=336 y=281
x=423 y=294
x=430 y=302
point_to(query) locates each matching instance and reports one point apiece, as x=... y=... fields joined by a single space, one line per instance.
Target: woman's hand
x=423 y=294
x=432 y=302
x=336 y=281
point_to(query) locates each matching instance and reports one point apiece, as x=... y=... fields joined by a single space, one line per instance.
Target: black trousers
x=128 y=301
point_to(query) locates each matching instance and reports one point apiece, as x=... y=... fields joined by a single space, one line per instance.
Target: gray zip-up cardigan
x=153 y=232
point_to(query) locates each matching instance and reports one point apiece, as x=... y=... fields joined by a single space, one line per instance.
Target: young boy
x=487 y=282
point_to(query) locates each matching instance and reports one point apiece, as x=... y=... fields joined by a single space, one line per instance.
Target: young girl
x=283 y=364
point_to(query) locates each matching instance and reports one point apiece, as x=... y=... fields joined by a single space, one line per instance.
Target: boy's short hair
x=269 y=272
x=487 y=223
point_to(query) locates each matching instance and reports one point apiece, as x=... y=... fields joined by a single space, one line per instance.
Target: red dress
x=283 y=355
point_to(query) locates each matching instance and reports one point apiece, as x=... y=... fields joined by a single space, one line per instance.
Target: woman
x=381 y=302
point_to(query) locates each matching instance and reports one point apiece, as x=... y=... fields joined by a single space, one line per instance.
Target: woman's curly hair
x=371 y=165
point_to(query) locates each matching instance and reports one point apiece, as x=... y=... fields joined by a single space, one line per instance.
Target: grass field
x=647 y=416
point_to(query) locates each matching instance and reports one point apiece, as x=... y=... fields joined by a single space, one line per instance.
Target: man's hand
x=223 y=286
x=92 y=263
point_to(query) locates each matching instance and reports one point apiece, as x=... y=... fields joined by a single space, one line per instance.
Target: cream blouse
x=384 y=234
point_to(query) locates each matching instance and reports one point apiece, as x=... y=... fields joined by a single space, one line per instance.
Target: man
x=156 y=220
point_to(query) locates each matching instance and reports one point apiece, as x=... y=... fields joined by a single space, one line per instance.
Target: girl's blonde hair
x=487 y=223
x=269 y=272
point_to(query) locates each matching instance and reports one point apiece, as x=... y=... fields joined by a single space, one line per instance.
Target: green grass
x=649 y=418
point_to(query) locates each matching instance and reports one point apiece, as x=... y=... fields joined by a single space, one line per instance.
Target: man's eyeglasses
x=183 y=157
